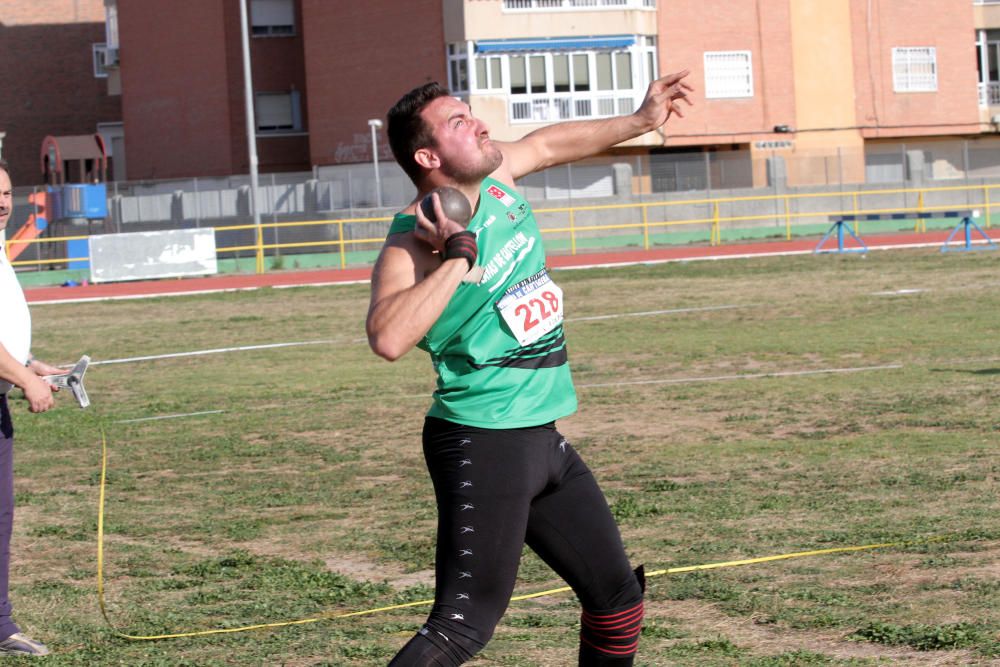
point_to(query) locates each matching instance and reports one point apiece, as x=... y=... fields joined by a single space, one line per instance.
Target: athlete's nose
x=484 y=129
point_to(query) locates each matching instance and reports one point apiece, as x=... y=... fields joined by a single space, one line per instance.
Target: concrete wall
x=348 y=191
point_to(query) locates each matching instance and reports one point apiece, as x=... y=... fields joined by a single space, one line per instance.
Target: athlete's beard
x=474 y=175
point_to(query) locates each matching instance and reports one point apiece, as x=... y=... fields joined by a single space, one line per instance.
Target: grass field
x=307 y=494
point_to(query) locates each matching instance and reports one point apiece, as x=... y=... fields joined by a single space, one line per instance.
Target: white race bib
x=532 y=308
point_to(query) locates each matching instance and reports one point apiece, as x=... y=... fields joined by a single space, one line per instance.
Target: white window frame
x=272 y=18
x=550 y=105
x=491 y=84
x=989 y=88
x=111 y=24
x=294 y=124
x=720 y=75
x=904 y=59
x=575 y=5
x=459 y=59
x=97 y=53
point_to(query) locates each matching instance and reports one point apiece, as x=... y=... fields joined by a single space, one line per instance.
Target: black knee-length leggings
x=497 y=490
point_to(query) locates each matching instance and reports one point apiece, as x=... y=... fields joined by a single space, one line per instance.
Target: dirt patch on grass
x=704 y=621
x=360 y=569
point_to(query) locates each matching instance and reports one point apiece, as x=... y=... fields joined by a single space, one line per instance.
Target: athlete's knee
x=611 y=636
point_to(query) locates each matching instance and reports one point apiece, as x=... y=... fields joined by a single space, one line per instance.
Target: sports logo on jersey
x=497 y=193
x=517 y=217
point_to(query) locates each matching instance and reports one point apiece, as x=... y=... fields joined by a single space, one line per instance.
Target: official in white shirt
x=17 y=369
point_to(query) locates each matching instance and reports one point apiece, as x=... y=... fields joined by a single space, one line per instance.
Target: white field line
x=751 y=255
x=674 y=260
x=908 y=291
x=245 y=348
x=157 y=295
x=324 y=284
x=221 y=350
x=747 y=376
x=900 y=292
x=672 y=311
x=128 y=297
x=161 y=417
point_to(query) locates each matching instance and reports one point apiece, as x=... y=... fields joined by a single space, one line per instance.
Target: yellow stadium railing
x=645 y=210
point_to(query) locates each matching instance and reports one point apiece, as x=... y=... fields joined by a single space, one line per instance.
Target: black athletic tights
x=497 y=490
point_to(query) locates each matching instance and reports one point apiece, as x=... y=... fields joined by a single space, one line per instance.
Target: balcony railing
x=549 y=108
x=570 y=5
x=989 y=93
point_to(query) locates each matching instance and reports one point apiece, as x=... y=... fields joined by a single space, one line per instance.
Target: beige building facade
x=801 y=86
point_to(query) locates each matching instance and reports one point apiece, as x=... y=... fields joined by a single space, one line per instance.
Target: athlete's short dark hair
x=5 y=167
x=406 y=128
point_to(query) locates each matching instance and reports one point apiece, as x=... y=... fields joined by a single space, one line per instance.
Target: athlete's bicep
x=395 y=269
x=403 y=262
x=407 y=295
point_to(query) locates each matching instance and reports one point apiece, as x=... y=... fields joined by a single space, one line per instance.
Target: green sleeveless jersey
x=498 y=347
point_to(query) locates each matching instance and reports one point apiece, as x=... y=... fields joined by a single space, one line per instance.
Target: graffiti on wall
x=359 y=149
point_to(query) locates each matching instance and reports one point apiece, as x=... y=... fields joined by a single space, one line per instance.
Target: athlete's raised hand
x=663 y=97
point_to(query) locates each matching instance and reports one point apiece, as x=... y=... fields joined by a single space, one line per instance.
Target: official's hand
x=435 y=233
x=42 y=368
x=38 y=393
x=663 y=97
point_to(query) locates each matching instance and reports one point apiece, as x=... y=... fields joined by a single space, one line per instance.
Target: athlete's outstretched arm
x=572 y=140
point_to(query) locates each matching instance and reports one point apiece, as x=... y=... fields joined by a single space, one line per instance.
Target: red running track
x=236 y=282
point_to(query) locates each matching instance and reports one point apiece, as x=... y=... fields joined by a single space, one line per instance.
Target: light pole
x=251 y=133
x=375 y=124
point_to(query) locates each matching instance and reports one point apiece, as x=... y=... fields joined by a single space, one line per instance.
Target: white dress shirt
x=15 y=320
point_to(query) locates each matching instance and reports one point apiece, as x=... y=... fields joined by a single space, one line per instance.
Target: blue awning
x=555 y=43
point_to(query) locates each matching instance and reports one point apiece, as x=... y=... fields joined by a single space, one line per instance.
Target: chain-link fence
x=346 y=192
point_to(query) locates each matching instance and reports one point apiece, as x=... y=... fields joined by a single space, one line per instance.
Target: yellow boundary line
x=420 y=603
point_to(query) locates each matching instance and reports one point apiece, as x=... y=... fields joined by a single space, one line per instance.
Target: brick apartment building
x=48 y=78
x=811 y=78
x=797 y=78
x=320 y=70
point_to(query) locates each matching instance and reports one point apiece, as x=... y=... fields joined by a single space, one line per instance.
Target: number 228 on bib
x=532 y=307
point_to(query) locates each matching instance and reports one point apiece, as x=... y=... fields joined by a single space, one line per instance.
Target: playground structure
x=75 y=171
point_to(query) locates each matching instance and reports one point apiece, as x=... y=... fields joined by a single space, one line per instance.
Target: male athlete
x=480 y=301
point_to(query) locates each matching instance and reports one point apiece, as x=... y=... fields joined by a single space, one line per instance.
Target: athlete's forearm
x=571 y=140
x=574 y=140
x=397 y=322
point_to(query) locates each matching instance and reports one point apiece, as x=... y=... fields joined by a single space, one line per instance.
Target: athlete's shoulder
x=404 y=221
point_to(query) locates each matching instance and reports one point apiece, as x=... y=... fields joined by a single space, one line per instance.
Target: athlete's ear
x=427 y=158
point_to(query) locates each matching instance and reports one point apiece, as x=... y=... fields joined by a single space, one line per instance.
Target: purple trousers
x=7 y=626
